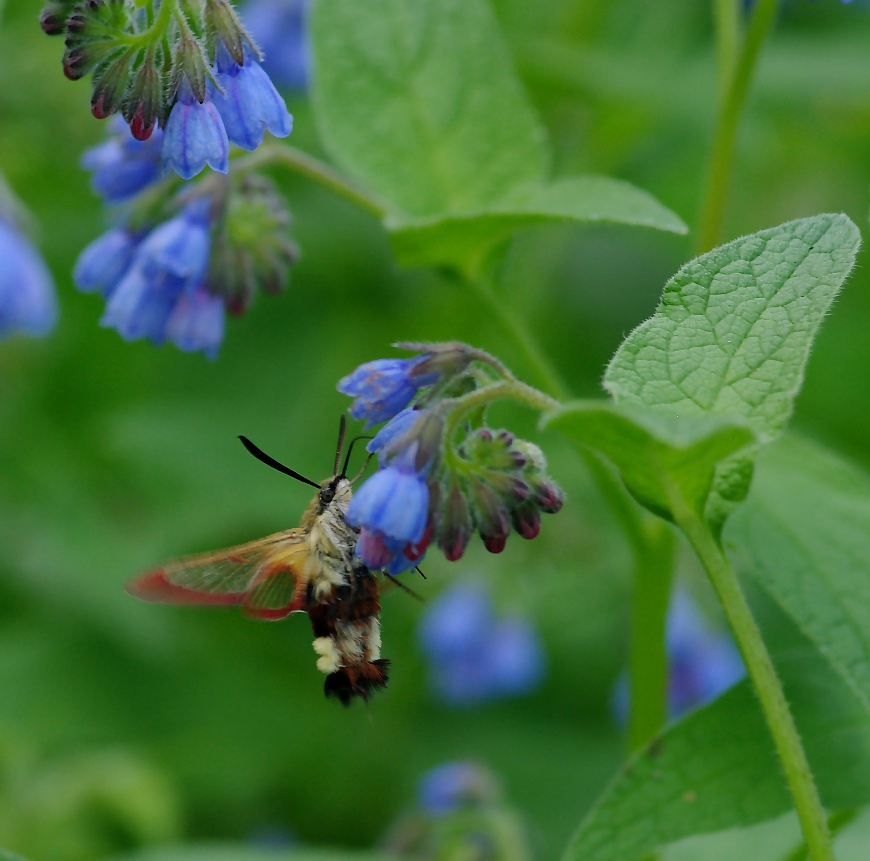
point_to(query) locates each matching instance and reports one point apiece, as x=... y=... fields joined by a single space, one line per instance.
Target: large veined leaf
x=734 y=331
x=804 y=535
x=456 y=238
x=417 y=99
x=717 y=768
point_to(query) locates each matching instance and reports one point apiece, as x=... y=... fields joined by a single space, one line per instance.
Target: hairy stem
x=767 y=684
x=731 y=107
x=313 y=169
x=836 y=823
x=647 y=657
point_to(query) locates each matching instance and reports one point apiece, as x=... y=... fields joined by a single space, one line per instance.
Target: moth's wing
x=267 y=576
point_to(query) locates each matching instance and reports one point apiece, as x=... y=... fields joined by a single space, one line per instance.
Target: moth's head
x=334 y=489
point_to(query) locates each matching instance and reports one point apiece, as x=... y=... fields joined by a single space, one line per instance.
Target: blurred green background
x=122 y=724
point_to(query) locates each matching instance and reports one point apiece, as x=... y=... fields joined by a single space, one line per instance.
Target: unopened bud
x=224 y=24
x=142 y=107
x=447 y=360
x=455 y=526
x=190 y=64
x=110 y=85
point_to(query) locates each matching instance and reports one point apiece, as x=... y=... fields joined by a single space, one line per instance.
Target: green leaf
x=458 y=238
x=657 y=455
x=804 y=535
x=734 y=331
x=5 y=854
x=419 y=102
x=717 y=768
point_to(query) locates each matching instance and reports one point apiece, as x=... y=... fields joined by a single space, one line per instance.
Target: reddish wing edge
x=274 y=588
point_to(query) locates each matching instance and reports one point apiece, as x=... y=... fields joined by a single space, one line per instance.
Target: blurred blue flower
x=249 y=103
x=123 y=166
x=28 y=302
x=384 y=387
x=704 y=662
x=453 y=785
x=195 y=135
x=475 y=656
x=103 y=263
x=167 y=271
x=196 y=323
x=280 y=28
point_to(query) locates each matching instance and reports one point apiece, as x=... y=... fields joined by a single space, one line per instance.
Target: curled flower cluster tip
x=443 y=475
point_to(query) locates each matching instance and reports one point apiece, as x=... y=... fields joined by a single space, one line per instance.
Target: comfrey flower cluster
x=188 y=68
x=443 y=475
x=28 y=303
x=704 y=662
x=473 y=655
x=173 y=279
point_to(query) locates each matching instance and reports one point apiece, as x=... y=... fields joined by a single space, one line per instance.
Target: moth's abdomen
x=347 y=636
x=361 y=680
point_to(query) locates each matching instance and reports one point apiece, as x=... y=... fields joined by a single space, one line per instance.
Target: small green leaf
x=734 y=331
x=5 y=854
x=456 y=239
x=657 y=455
x=804 y=535
x=418 y=101
x=717 y=768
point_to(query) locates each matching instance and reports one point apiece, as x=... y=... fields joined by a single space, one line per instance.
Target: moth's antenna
x=405 y=588
x=270 y=461
x=419 y=570
x=342 y=429
x=349 y=452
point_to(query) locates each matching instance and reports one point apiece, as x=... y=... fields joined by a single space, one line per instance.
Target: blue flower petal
x=395 y=428
x=28 y=302
x=195 y=137
x=393 y=502
x=124 y=166
x=141 y=304
x=197 y=323
x=103 y=263
x=250 y=104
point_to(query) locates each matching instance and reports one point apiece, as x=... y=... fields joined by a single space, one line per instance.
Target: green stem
x=764 y=678
x=722 y=155
x=522 y=340
x=313 y=169
x=510 y=388
x=727 y=16
x=648 y=660
x=836 y=823
x=652 y=546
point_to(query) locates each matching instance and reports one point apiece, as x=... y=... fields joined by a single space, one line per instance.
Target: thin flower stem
x=767 y=684
x=313 y=169
x=731 y=107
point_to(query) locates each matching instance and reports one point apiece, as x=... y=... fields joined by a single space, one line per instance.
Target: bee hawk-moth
x=309 y=569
